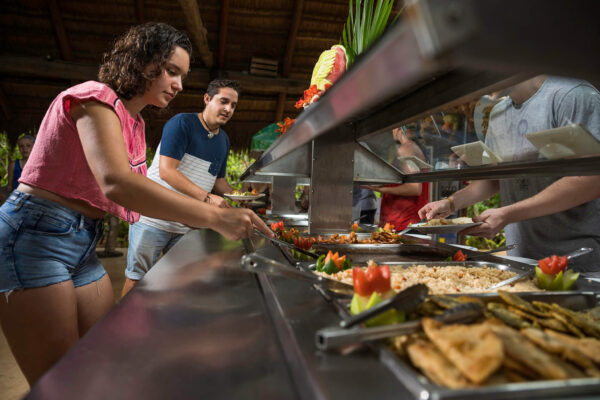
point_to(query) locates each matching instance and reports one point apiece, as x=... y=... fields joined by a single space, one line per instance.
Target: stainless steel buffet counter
x=198 y=325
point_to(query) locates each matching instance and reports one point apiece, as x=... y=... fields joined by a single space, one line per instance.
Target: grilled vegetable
x=303 y=242
x=560 y=281
x=363 y=303
x=371 y=287
x=277 y=226
x=552 y=274
x=332 y=263
x=553 y=265
x=459 y=256
x=375 y=279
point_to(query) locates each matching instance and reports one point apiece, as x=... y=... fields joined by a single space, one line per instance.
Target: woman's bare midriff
x=78 y=205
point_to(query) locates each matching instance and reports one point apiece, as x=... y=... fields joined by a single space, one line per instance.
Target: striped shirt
x=202 y=159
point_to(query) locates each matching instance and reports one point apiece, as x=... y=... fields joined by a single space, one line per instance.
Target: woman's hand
x=435 y=209
x=239 y=223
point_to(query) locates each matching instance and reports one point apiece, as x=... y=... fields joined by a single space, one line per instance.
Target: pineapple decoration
x=331 y=65
x=366 y=22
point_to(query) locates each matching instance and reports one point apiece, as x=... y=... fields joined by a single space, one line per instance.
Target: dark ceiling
x=49 y=45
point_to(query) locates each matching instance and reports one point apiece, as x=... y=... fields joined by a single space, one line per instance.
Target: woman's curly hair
x=149 y=44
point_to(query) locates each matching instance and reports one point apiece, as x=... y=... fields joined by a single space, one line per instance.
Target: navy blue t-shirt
x=184 y=134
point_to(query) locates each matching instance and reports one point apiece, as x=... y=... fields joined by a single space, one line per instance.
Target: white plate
x=238 y=197
x=442 y=228
x=566 y=141
x=414 y=163
x=476 y=153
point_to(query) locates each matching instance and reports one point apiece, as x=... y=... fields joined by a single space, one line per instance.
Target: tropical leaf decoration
x=367 y=20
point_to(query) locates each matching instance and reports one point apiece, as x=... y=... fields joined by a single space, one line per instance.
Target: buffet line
x=447 y=321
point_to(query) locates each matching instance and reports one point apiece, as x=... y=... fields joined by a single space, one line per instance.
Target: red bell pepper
x=277 y=226
x=375 y=279
x=553 y=265
x=303 y=242
x=459 y=256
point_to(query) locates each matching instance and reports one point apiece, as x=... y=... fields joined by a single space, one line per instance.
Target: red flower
x=285 y=125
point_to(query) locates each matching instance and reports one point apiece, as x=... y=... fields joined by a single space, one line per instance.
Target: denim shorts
x=145 y=245
x=43 y=243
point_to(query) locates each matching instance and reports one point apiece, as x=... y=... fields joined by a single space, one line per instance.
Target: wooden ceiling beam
x=59 y=30
x=291 y=42
x=198 y=79
x=196 y=29
x=289 y=55
x=223 y=27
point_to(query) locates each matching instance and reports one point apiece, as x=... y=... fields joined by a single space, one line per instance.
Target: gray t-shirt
x=559 y=102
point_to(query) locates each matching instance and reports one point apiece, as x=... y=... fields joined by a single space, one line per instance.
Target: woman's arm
x=102 y=140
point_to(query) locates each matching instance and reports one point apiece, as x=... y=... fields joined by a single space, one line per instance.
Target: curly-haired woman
x=89 y=159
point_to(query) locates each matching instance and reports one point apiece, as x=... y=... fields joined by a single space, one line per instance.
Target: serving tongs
x=286 y=244
x=492 y=251
x=406 y=300
x=330 y=338
x=257 y=263
x=571 y=255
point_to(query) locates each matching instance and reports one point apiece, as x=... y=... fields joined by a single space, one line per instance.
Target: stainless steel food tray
x=432 y=264
x=422 y=388
x=580 y=285
x=413 y=248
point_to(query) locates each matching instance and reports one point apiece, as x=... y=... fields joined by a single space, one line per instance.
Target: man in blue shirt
x=191 y=159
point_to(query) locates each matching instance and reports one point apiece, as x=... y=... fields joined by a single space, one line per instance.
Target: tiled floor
x=13 y=385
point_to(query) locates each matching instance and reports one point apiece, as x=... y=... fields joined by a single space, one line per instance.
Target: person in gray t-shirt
x=542 y=215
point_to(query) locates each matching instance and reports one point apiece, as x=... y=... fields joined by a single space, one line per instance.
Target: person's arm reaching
x=565 y=193
x=168 y=171
x=474 y=192
x=100 y=134
x=222 y=186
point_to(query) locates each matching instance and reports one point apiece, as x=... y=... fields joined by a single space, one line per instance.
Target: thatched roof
x=49 y=45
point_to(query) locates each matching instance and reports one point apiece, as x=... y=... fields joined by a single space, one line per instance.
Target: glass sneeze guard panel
x=558 y=120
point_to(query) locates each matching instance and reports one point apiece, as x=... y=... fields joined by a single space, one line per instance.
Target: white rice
x=448 y=279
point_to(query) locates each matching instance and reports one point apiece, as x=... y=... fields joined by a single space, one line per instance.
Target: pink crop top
x=57 y=162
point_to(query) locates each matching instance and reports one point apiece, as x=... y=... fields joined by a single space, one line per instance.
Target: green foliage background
x=7 y=155
x=480 y=242
x=237 y=163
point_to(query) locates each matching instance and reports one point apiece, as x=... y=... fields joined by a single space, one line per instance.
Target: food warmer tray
x=422 y=388
x=581 y=284
x=419 y=386
x=412 y=248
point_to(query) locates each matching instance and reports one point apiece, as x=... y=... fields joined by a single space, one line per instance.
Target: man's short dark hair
x=216 y=84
